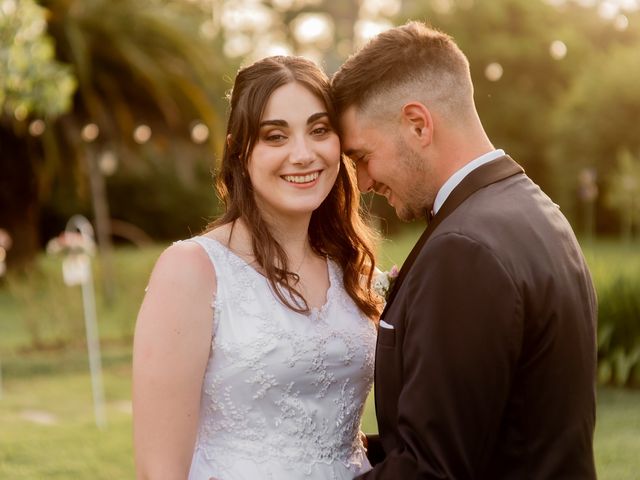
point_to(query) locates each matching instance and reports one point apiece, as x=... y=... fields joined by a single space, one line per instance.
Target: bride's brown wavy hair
x=337 y=228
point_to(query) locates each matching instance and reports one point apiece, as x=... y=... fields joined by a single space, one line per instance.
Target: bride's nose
x=301 y=152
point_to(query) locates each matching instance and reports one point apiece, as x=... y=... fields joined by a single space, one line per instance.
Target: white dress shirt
x=457 y=177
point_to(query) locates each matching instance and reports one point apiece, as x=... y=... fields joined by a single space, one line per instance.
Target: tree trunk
x=19 y=198
x=102 y=222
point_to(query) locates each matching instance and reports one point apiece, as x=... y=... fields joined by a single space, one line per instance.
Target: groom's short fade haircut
x=405 y=63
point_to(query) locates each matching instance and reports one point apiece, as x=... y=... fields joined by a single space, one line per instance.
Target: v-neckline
x=313 y=311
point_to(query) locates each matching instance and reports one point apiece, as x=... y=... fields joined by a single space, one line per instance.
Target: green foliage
x=554 y=116
x=50 y=312
x=41 y=313
x=54 y=386
x=596 y=119
x=137 y=60
x=619 y=331
x=46 y=413
x=32 y=81
x=516 y=108
x=162 y=203
x=168 y=200
x=616 y=441
x=615 y=269
x=623 y=192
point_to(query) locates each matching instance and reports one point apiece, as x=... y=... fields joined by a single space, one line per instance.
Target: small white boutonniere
x=383 y=281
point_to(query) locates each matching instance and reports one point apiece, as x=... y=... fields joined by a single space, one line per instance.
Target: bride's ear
x=228 y=140
x=417 y=117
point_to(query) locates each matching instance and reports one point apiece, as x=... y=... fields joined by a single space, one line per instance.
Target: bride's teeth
x=301 y=178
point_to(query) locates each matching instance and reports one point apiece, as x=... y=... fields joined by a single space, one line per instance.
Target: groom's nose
x=365 y=182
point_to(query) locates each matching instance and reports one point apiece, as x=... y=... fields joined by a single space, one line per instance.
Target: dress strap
x=216 y=253
x=213 y=250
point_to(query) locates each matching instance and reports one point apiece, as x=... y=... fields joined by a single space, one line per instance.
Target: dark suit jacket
x=489 y=372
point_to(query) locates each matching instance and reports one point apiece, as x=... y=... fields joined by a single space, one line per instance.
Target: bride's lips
x=302 y=180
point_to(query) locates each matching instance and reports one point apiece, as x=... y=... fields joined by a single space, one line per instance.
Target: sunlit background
x=116 y=110
x=99 y=98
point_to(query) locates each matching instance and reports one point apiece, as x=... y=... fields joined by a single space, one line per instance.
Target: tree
x=596 y=119
x=138 y=63
x=517 y=76
x=31 y=82
x=623 y=192
x=533 y=63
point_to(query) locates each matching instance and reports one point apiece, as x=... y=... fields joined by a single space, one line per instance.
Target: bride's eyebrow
x=283 y=123
x=274 y=123
x=316 y=117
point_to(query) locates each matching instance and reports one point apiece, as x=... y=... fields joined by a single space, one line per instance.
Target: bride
x=254 y=345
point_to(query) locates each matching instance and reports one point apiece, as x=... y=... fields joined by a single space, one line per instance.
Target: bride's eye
x=320 y=131
x=274 y=137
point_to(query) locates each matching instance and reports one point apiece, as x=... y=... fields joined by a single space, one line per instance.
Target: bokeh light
x=558 y=49
x=108 y=162
x=366 y=29
x=37 y=127
x=142 y=134
x=8 y=7
x=90 y=132
x=246 y=16
x=21 y=112
x=608 y=10
x=493 y=72
x=313 y=28
x=621 y=23
x=199 y=133
x=237 y=45
x=375 y=8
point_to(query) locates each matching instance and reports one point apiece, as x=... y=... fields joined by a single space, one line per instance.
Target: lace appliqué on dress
x=282 y=386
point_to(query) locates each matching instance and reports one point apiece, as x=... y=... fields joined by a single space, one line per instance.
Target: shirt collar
x=457 y=177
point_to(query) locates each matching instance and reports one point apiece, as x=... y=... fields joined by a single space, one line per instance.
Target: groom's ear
x=417 y=117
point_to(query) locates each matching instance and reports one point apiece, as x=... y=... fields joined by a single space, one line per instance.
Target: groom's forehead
x=353 y=129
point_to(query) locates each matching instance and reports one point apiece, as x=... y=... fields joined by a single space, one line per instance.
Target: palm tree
x=136 y=61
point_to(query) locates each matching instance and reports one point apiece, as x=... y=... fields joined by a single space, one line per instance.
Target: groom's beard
x=415 y=196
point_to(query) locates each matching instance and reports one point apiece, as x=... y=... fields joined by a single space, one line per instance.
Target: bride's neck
x=293 y=238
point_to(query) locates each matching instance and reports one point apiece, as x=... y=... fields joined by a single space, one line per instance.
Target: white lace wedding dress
x=283 y=392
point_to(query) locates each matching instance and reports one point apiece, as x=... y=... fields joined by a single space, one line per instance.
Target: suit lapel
x=489 y=173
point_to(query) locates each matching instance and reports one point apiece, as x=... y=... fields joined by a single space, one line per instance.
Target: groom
x=486 y=353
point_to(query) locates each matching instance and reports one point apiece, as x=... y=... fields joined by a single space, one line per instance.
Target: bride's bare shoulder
x=185 y=264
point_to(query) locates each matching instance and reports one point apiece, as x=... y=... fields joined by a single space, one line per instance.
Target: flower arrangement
x=76 y=250
x=71 y=243
x=383 y=281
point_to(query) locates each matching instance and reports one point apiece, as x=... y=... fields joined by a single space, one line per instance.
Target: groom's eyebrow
x=283 y=123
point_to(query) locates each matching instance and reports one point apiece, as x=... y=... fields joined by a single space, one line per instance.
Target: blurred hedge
x=168 y=194
x=615 y=267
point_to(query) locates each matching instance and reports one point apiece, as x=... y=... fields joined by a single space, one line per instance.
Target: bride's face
x=296 y=158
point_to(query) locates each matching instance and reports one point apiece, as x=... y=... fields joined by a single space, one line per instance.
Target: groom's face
x=385 y=164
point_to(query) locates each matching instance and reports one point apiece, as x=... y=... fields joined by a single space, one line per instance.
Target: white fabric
x=283 y=392
x=457 y=177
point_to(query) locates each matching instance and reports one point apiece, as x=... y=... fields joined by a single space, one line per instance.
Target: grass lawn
x=46 y=414
x=48 y=429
